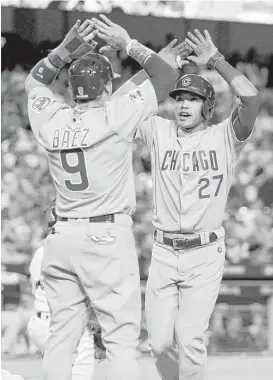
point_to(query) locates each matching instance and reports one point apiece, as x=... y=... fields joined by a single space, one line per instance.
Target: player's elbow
x=255 y=97
x=252 y=103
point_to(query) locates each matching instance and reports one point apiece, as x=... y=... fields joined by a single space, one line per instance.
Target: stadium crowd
x=27 y=187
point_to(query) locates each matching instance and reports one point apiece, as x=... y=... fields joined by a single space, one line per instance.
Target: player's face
x=188 y=110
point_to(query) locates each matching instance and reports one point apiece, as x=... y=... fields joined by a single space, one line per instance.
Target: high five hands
x=202 y=46
x=114 y=35
x=116 y=38
x=87 y=31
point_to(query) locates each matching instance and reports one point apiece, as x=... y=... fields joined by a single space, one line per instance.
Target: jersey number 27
x=205 y=183
x=79 y=169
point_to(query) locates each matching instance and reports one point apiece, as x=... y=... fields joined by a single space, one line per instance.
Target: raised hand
x=175 y=54
x=113 y=34
x=87 y=31
x=77 y=42
x=202 y=46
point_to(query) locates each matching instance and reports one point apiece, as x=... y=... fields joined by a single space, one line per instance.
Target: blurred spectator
x=235 y=58
x=253 y=70
x=16 y=312
x=238 y=328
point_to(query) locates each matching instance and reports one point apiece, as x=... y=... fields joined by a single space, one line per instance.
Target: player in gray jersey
x=192 y=167
x=91 y=252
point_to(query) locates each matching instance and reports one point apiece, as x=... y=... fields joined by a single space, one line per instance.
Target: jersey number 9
x=79 y=168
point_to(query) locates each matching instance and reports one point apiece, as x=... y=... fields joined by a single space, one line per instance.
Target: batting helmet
x=197 y=85
x=88 y=75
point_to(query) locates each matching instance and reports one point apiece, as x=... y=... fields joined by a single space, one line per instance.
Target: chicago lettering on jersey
x=67 y=138
x=197 y=160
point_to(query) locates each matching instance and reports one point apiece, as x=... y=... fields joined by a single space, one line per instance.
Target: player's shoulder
x=140 y=94
x=224 y=122
x=218 y=128
x=155 y=122
x=41 y=99
x=162 y=122
x=160 y=129
x=164 y=126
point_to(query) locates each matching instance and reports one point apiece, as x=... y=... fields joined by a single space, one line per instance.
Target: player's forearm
x=42 y=74
x=245 y=115
x=240 y=85
x=167 y=56
x=76 y=43
x=138 y=51
x=138 y=78
x=162 y=76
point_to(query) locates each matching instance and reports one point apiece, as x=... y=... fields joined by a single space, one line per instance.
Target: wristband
x=55 y=60
x=44 y=74
x=214 y=58
x=73 y=46
x=129 y=46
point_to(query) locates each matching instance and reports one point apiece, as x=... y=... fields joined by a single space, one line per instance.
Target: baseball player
x=91 y=253
x=38 y=326
x=192 y=169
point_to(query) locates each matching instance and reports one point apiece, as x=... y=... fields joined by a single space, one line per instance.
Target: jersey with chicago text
x=90 y=151
x=192 y=174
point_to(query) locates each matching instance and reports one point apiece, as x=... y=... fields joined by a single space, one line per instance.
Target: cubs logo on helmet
x=88 y=76
x=186 y=81
x=198 y=85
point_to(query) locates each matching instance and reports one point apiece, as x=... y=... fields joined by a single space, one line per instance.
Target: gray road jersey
x=90 y=153
x=192 y=175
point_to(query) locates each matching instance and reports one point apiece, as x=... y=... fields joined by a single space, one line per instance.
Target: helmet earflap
x=207 y=109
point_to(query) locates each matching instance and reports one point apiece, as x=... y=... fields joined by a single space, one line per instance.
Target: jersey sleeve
x=145 y=131
x=232 y=141
x=132 y=83
x=42 y=105
x=124 y=89
x=125 y=113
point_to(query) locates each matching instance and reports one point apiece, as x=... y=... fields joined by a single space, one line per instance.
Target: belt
x=110 y=218
x=185 y=243
x=43 y=315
